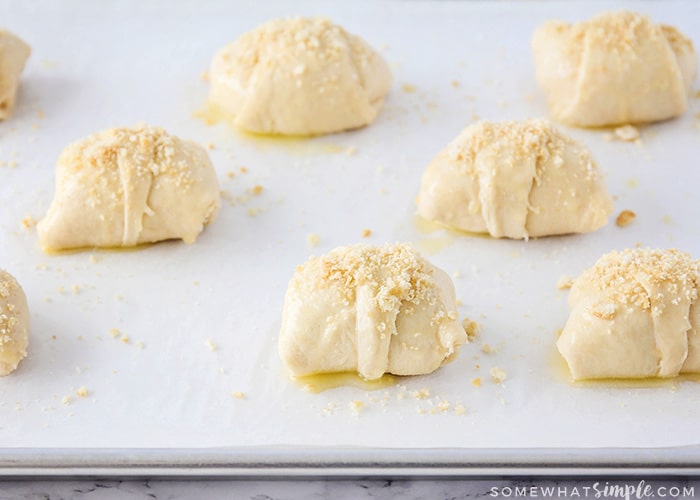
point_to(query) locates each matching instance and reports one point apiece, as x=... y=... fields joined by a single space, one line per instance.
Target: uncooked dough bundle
x=634 y=314
x=127 y=186
x=13 y=55
x=299 y=76
x=617 y=68
x=515 y=180
x=14 y=324
x=371 y=310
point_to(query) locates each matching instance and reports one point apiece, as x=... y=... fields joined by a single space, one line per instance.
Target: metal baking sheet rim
x=293 y=462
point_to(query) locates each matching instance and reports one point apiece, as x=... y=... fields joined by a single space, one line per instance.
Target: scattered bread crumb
x=471 y=328
x=313 y=240
x=627 y=133
x=356 y=406
x=210 y=146
x=75 y=289
x=351 y=150
x=140 y=345
x=114 y=333
x=408 y=88
x=565 y=282
x=257 y=189
x=498 y=375
x=460 y=410
x=28 y=222
x=625 y=218
x=244 y=170
x=204 y=76
x=238 y=395
x=366 y=233
x=476 y=382
x=486 y=349
x=424 y=393
x=211 y=345
x=66 y=400
x=82 y=392
x=124 y=339
x=455 y=83
x=443 y=406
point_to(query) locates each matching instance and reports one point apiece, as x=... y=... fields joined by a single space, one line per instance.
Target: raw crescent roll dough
x=13 y=55
x=616 y=68
x=14 y=324
x=371 y=310
x=123 y=187
x=634 y=314
x=514 y=180
x=299 y=76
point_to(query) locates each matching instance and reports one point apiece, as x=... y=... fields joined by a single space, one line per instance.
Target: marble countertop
x=660 y=487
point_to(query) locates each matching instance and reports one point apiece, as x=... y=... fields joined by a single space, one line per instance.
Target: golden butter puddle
x=325 y=381
x=447 y=236
x=560 y=371
x=71 y=251
x=299 y=144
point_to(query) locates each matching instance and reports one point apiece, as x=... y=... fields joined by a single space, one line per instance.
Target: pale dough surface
x=14 y=53
x=371 y=310
x=14 y=324
x=515 y=180
x=127 y=186
x=299 y=76
x=616 y=68
x=634 y=314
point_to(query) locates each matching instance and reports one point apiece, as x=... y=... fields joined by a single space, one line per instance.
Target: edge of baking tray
x=293 y=462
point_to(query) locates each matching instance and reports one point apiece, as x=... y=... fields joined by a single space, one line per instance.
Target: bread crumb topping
x=9 y=322
x=538 y=138
x=621 y=276
x=395 y=274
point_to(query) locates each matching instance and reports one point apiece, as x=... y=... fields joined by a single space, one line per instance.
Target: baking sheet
x=96 y=65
